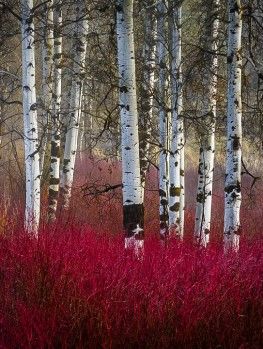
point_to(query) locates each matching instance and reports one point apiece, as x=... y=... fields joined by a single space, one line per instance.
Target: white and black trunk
x=71 y=144
x=133 y=211
x=47 y=76
x=177 y=140
x=234 y=129
x=163 y=117
x=147 y=100
x=207 y=132
x=32 y=212
x=55 y=115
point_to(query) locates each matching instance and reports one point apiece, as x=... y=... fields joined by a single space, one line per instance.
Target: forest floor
x=76 y=287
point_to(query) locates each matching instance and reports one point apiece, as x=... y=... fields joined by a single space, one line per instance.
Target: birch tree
x=32 y=211
x=80 y=47
x=149 y=51
x=55 y=115
x=47 y=74
x=177 y=139
x=133 y=212
x=163 y=117
x=207 y=133
x=234 y=129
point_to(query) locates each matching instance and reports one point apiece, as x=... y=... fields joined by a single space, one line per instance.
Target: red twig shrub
x=76 y=289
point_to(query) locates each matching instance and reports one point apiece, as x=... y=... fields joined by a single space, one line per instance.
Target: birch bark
x=132 y=191
x=163 y=118
x=32 y=211
x=47 y=68
x=149 y=51
x=234 y=130
x=55 y=115
x=177 y=141
x=71 y=143
x=207 y=146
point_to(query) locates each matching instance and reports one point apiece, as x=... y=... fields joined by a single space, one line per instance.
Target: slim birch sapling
x=55 y=115
x=207 y=133
x=175 y=185
x=71 y=144
x=47 y=75
x=32 y=212
x=161 y=53
x=147 y=93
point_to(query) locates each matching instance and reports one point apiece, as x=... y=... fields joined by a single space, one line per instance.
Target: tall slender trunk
x=177 y=142
x=133 y=213
x=147 y=89
x=47 y=68
x=182 y=176
x=55 y=116
x=71 y=143
x=32 y=212
x=234 y=129
x=207 y=146
x=163 y=117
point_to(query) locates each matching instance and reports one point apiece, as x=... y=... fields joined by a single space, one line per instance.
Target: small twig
x=255 y=178
x=92 y=190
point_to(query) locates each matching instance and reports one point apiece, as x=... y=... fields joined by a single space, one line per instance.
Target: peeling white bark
x=55 y=115
x=234 y=129
x=32 y=212
x=132 y=190
x=207 y=146
x=71 y=143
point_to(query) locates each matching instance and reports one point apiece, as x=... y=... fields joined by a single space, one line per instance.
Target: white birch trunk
x=147 y=90
x=177 y=141
x=207 y=146
x=71 y=143
x=182 y=176
x=163 y=118
x=32 y=212
x=47 y=69
x=55 y=116
x=132 y=191
x=234 y=130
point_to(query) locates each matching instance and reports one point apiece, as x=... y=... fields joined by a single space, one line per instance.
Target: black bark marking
x=162 y=192
x=133 y=216
x=175 y=207
x=175 y=191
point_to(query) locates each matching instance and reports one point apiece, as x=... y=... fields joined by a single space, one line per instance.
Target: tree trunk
x=47 y=68
x=32 y=212
x=55 y=116
x=71 y=143
x=234 y=129
x=147 y=90
x=133 y=212
x=177 y=143
x=207 y=134
x=163 y=118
